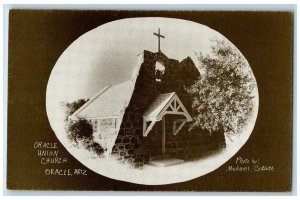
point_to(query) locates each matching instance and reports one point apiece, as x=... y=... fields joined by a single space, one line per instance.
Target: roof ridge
x=172 y=94
x=91 y=100
x=96 y=96
x=120 y=82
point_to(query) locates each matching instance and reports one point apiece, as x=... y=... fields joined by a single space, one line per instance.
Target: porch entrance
x=163 y=131
x=158 y=139
x=155 y=125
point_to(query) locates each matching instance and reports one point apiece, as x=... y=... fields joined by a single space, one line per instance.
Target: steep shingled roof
x=158 y=104
x=109 y=102
x=159 y=107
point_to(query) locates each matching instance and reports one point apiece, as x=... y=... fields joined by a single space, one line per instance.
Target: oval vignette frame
x=110 y=54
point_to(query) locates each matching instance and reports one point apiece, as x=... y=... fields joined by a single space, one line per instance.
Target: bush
x=96 y=148
x=91 y=145
x=80 y=129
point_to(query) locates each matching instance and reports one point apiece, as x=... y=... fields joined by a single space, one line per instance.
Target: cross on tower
x=159 y=36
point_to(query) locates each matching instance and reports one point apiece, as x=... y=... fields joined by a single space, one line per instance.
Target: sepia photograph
x=157 y=94
x=150 y=100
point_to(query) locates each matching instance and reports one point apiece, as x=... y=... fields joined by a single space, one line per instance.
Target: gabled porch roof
x=168 y=103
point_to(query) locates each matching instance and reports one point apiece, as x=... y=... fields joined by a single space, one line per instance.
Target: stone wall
x=131 y=147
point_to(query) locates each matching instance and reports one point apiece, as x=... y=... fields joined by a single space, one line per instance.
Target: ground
x=112 y=168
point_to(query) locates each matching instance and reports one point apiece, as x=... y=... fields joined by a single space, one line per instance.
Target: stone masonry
x=131 y=147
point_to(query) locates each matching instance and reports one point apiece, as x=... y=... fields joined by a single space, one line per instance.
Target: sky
x=109 y=53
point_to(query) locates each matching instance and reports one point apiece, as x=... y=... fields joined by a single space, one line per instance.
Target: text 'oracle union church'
x=145 y=120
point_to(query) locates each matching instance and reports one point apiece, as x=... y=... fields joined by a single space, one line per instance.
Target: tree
x=223 y=95
x=79 y=130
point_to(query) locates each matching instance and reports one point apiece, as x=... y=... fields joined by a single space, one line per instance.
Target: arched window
x=159 y=71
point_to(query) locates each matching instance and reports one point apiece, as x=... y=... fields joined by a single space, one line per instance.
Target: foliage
x=222 y=97
x=91 y=145
x=72 y=107
x=80 y=129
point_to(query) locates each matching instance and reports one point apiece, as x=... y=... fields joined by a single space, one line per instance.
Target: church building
x=145 y=120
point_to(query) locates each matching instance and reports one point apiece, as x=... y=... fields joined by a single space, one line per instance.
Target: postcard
x=119 y=100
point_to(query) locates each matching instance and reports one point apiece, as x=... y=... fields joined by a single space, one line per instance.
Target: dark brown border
x=38 y=37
